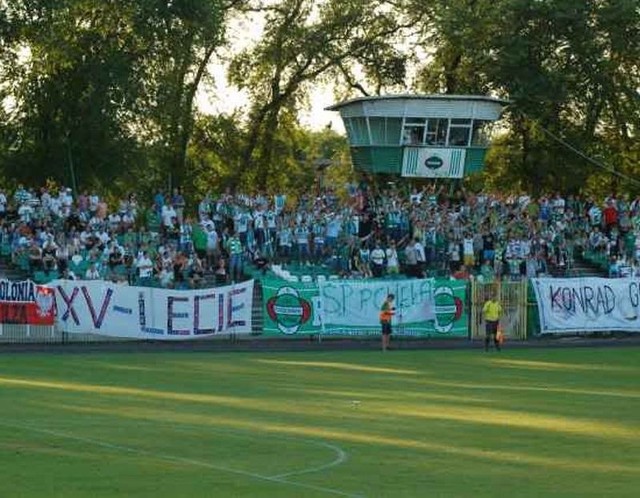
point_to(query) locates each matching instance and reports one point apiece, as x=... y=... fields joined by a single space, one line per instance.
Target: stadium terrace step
x=11 y=272
x=586 y=269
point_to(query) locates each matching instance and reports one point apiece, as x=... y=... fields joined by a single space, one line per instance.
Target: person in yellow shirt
x=492 y=312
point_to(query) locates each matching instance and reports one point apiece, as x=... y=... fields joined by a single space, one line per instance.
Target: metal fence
x=513 y=297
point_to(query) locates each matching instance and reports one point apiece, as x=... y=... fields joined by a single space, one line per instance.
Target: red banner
x=25 y=303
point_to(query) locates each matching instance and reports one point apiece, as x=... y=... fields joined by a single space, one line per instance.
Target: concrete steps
x=11 y=272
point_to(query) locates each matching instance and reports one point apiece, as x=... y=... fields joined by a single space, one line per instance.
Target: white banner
x=421 y=162
x=349 y=304
x=103 y=308
x=588 y=304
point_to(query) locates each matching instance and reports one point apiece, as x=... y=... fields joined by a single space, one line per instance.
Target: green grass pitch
x=525 y=423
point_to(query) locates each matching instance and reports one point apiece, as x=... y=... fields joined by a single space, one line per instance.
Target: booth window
x=385 y=131
x=413 y=133
x=481 y=133
x=394 y=131
x=437 y=131
x=378 y=130
x=357 y=131
x=459 y=132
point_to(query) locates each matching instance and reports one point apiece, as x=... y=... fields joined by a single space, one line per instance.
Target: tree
x=102 y=87
x=183 y=37
x=564 y=65
x=306 y=43
x=66 y=71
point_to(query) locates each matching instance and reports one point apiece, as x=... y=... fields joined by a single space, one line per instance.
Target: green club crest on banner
x=434 y=162
x=288 y=310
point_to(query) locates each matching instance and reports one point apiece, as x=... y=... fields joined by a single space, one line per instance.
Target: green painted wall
x=388 y=160
x=378 y=159
x=475 y=160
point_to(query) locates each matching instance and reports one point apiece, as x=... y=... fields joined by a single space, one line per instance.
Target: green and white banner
x=422 y=162
x=354 y=305
x=350 y=307
x=291 y=308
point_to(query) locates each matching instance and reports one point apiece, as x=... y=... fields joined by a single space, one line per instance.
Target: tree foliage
x=99 y=87
x=570 y=68
x=304 y=43
x=104 y=91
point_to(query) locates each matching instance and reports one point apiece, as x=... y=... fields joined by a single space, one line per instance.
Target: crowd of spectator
x=360 y=232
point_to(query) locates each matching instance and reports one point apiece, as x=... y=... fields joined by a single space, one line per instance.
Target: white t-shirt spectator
x=454 y=251
x=25 y=212
x=595 y=215
x=94 y=200
x=467 y=246
x=128 y=219
x=104 y=237
x=144 y=266
x=212 y=239
x=285 y=237
x=45 y=200
x=206 y=223
x=420 y=255
x=258 y=220
x=24 y=241
x=272 y=220
x=66 y=200
x=377 y=256
x=54 y=206
x=242 y=222
x=166 y=277
x=186 y=231
x=558 y=205
x=333 y=227
x=94 y=222
x=85 y=235
x=114 y=220
x=168 y=214
x=204 y=208
x=302 y=234
x=92 y=273
x=392 y=258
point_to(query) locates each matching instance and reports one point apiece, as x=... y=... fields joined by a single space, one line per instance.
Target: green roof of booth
x=421 y=136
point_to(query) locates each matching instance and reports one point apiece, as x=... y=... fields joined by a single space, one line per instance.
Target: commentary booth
x=420 y=136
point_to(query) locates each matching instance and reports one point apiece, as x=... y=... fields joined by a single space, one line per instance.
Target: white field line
x=341 y=455
x=172 y=458
x=339 y=460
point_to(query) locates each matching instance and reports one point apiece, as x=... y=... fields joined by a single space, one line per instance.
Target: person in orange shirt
x=387 y=310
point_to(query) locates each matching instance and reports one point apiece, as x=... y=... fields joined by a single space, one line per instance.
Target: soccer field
x=553 y=422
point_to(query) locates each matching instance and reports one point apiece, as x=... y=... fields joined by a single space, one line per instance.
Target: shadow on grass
x=259 y=427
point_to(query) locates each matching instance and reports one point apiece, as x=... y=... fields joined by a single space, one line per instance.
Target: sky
x=222 y=98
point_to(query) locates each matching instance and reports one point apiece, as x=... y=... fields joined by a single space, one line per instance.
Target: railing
x=513 y=296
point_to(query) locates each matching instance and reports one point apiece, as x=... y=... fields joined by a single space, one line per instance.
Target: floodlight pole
x=71 y=167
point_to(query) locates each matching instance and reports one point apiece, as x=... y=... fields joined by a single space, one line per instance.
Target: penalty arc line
x=176 y=459
x=339 y=460
x=341 y=455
